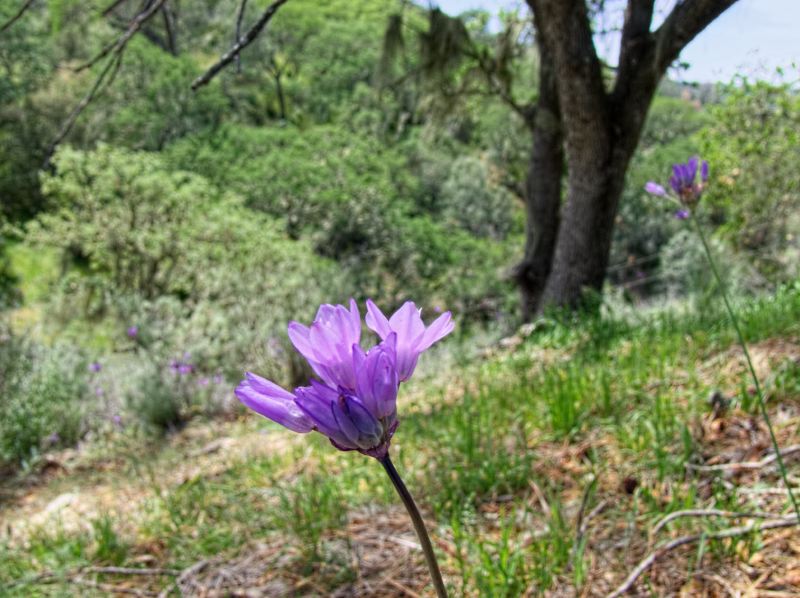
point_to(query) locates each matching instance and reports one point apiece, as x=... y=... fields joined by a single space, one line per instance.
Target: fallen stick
x=650 y=559
x=746 y=465
x=710 y=513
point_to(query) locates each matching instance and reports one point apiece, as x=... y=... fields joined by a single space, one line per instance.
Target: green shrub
x=42 y=393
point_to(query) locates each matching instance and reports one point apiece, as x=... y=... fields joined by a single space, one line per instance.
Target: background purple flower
x=133 y=331
x=95 y=367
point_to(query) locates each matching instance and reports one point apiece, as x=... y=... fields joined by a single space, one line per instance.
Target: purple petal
x=377 y=379
x=691 y=169
x=376 y=321
x=273 y=402
x=682 y=214
x=441 y=327
x=655 y=189
x=407 y=323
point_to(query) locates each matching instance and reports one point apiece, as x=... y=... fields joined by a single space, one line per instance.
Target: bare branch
x=25 y=6
x=732 y=532
x=108 y=72
x=119 y=44
x=746 y=465
x=240 y=45
x=710 y=513
x=112 y=7
x=683 y=24
x=239 y=18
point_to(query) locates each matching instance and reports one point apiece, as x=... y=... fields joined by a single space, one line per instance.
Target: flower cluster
x=354 y=402
x=684 y=186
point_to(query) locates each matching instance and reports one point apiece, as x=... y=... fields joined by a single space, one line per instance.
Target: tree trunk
x=601 y=126
x=542 y=192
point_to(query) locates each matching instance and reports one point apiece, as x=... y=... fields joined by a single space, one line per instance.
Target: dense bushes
x=42 y=397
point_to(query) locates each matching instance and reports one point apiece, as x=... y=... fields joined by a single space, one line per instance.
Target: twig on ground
x=710 y=513
x=107 y=587
x=186 y=574
x=130 y=571
x=748 y=465
x=650 y=559
x=240 y=45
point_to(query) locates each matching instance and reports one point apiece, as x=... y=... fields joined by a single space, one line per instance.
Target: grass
x=505 y=454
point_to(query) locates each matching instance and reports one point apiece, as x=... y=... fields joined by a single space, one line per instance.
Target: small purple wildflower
x=53 y=438
x=355 y=402
x=133 y=331
x=117 y=420
x=203 y=382
x=99 y=392
x=655 y=189
x=682 y=214
x=185 y=368
x=95 y=367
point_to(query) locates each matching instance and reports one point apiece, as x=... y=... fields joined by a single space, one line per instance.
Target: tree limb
x=118 y=45
x=25 y=6
x=240 y=45
x=635 y=42
x=686 y=20
x=732 y=532
x=109 y=71
x=239 y=18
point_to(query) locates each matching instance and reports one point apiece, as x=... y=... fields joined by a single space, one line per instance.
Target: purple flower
x=355 y=403
x=684 y=180
x=412 y=336
x=203 y=382
x=53 y=438
x=133 y=331
x=682 y=214
x=328 y=343
x=95 y=367
x=185 y=368
x=655 y=189
x=117 y=420
x=99 y=392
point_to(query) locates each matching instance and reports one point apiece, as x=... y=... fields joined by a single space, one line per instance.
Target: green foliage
x=753 y=147
x=472 y=202
x=42 y=394
x=166 y=250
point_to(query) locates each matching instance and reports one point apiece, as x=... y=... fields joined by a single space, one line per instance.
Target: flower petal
x=376 y=321
x=273 y=402
x=441 y=327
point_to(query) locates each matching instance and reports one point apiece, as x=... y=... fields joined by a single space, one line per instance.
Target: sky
x=753 y=37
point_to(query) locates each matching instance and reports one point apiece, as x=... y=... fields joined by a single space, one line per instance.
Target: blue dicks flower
x=684 y=185
x=355 y=402
x=412 y=336
x=133 y=331
x=95 y=367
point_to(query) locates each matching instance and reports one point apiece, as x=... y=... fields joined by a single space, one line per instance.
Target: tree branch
x=25 y=6
x=109 y=71
x=635 y=43
x=239 y=18
x=119 y=44
x=240 y=45
x=684 y=23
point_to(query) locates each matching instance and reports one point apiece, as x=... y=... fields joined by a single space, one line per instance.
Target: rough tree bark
x=542 y=191
x=601 y=129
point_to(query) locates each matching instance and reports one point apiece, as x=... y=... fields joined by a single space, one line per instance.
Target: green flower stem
x=760 y=395
x=419 y=525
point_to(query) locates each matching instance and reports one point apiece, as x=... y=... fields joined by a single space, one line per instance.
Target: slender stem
x=760 y=395
x=419 y=525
